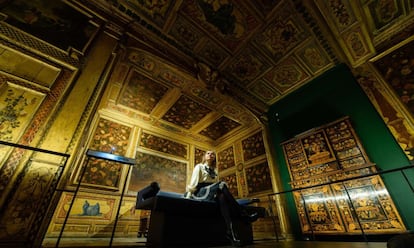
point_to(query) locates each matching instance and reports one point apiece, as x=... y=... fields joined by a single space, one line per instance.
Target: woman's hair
x=213 y=163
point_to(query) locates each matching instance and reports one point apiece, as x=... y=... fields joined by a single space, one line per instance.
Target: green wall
x=331 y=96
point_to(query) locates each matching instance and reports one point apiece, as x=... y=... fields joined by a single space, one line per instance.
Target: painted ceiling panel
x=186 y=112
x=227 y=21
x=286 y=75
x=219 y=128
x=141 y=93
x=282 y=34
x=248 y=65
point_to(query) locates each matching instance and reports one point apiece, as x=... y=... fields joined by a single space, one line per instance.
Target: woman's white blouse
x=200 y=175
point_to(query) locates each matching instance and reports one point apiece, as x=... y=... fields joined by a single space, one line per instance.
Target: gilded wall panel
x=198 y=155
x=19 y=217
x=258 y=178
x=225 y=159
x=28 y=68
x=142 y=60
x=110 y=137
x=160 y=144
x=17 y=107
x=232 y=184
x=127 y=210
x=93 y=214
x=253 y=146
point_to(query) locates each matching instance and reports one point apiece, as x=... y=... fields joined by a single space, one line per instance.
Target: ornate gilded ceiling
x=263 y=50
x=214 y=67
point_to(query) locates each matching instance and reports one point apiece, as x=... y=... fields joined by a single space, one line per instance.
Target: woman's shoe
x=247 y=217
x=231 y=235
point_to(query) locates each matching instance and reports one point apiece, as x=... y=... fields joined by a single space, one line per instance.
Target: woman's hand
x=187 y=195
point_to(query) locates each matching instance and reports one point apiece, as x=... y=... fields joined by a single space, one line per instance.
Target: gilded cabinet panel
x=323 y=155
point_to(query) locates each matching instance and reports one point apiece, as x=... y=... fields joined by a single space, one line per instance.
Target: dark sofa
x=177 y=222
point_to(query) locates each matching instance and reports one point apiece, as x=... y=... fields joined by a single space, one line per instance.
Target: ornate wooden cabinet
x=327 y=154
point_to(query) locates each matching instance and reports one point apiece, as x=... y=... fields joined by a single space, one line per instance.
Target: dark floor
x=130 y=242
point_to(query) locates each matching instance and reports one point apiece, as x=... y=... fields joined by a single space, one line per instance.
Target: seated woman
x=204 y=185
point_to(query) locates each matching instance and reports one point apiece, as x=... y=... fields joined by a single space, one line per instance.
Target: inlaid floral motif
x=198 y=156
x=225 y=159
x=186 y=112
x=110 y=137
x=258 y=178
x=398 y=70
x=219 y=128
x=231 y=181
x=141 y=93
x=160 y=144
x=253 y=146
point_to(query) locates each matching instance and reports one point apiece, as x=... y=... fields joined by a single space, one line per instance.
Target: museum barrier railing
x=35 y=175
x=108 y=157
x=355 y=211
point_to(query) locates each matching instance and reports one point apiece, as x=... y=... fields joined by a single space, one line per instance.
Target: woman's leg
x=230 y=209
x=226 y=213
x=234 y=206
